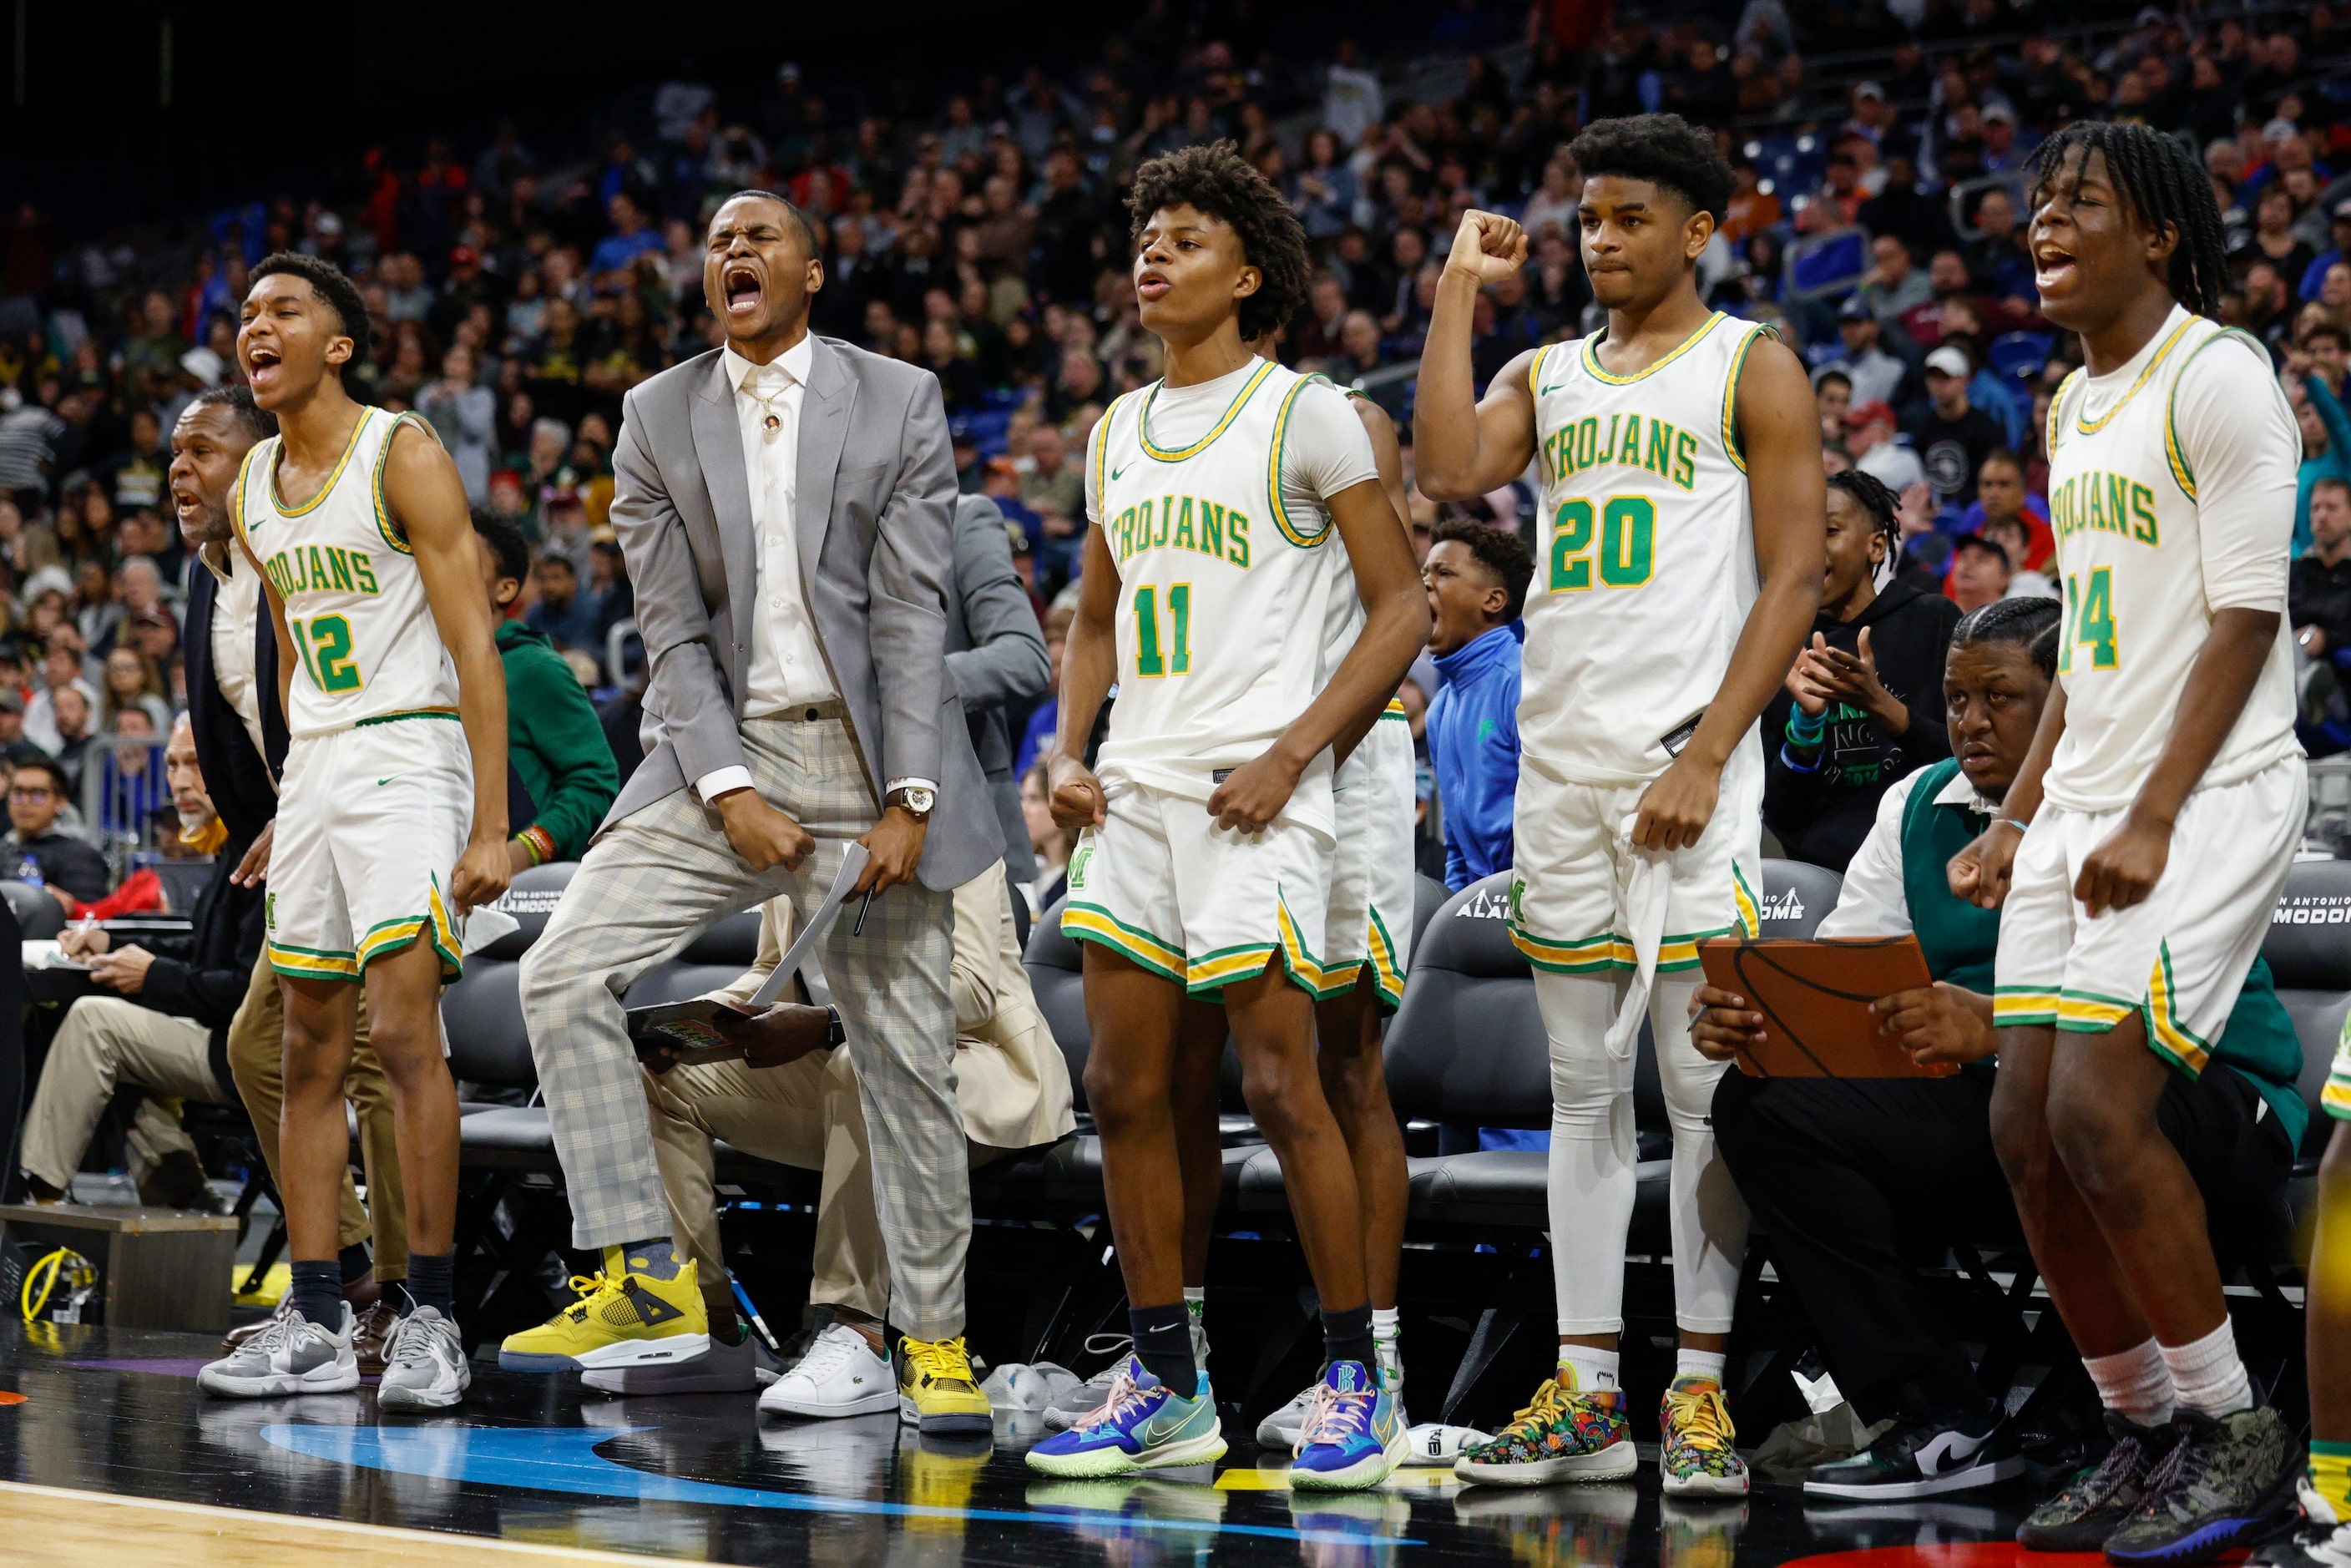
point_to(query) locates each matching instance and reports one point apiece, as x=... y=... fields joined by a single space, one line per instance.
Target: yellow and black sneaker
x=624 y=1317
x=936 y=1391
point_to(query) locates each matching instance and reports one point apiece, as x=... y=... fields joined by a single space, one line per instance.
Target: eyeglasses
x=30 y=793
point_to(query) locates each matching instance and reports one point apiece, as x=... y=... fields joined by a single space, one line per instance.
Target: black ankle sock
x=356 y=1262
x=1347 y=1336
x=432 y=1282
x=1163 y=1343
x=728 y=1330
x=317 y=1292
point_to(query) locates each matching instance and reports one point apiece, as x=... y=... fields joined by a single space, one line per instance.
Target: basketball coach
x=786 y=507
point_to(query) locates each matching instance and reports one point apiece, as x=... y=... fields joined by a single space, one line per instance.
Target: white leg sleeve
x=1710 y=1218
x=1592 y=1153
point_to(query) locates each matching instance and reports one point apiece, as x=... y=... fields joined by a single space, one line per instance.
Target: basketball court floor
x=109 y=1454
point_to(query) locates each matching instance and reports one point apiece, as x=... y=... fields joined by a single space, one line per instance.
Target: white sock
x=1387 y=1339
x=2210 y=1374
x=2135 y=1383
x=1595 y=1371
x=1710 y=1364
x=1387 y=1325
x=1197 y=1297
x=1590 y=1171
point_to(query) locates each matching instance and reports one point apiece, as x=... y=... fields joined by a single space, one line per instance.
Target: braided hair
x=2164 y=185
x=2031 y=622
x=1872 y=495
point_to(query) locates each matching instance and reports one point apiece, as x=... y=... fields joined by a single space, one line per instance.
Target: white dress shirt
x=1873 y=900
x=237 y=621
x=787 y=669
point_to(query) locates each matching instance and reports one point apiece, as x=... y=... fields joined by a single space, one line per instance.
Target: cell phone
x=1674 y=740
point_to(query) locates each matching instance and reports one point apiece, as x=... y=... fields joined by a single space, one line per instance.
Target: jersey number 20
x=325 y=646
x=1628 y=528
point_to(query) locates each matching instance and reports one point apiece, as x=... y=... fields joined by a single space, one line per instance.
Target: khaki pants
x=806 y=1113
x=106 y=1042
x=257 y=1052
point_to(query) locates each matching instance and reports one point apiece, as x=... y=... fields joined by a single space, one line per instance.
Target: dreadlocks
x=1871 y=493
x=2164 y=185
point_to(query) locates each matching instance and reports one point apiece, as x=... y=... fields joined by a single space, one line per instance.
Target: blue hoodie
x=1473 y=743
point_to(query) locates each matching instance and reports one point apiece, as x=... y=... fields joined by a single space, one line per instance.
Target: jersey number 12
x=325 y=644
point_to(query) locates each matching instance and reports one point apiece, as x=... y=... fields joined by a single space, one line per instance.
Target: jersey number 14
x=2089 y=620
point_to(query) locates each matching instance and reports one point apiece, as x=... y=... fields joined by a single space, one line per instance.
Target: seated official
x=1851 y=1176
x=165 y=1031
x=794 y=1098
x=37 y=849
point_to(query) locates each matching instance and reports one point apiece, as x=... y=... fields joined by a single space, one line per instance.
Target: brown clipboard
x=1814 y=998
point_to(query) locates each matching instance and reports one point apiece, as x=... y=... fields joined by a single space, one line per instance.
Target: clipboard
x=674 y=1034
x=1814 y=998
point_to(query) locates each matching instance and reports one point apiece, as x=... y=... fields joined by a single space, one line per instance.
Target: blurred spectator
x=2325 y=436
x=2015 y=541
x=1863 y=706
x=1869 y=439
x=1048 y=841
x=1875 y=375
x=1037 y=737
x=132 y=681
x=2318 y=608
x=36 y=851
x=1980 y=571
x=464 y=415
x=1952 y=436
x=562 y=613
x=1477 y=578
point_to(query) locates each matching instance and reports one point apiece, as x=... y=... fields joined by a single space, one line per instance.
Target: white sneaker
x=424 y=1364
x=1094 y=1392
x=840 y=1375
x=292 y=1356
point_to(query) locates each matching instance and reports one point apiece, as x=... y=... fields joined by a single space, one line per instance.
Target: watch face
x=920 y=801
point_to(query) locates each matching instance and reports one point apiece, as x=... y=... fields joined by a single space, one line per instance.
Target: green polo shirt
x=555 y=741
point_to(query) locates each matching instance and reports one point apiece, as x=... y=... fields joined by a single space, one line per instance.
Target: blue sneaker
x=1144 y=1426
x=1353 y=1437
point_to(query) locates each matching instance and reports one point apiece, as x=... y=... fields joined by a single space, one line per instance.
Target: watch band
x=835 y=1033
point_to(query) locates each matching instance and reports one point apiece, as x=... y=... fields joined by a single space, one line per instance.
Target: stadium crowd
x=519 y=289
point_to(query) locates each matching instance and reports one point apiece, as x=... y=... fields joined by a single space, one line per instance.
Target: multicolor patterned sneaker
x=1695 y=1453
x=2228 y=1481
x=1563 y=1436
x=1145 y=1425
x=2080 y=1516
x=1353 y=1437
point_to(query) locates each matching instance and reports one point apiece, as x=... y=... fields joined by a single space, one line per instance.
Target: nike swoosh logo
x=1948 y=1452
x=1552 y=388
x=388 y=779
x=1117 y=472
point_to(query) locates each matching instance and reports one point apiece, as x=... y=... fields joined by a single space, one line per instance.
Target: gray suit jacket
x=877 y=488
x=996 y=656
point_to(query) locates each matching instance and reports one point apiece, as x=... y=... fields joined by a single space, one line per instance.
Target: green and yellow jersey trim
x=1730 y=442
x=277 y=502
x=236 y=491
x=2088 y=1012
x=392 y=533
x=1142 y=419
x=2090 y=427
x=1388 y=972
x=1743 y=899
x=1394 y=710
x=2335 y=1098
x=312 y=963
x=2057 y=408
x=1592 y=354
x=398 y=714
x=2014 y=1007
x=2171 y=1039
x=1590 y=955
x=1092 y=923
x=2182 y=473
x=1290 y=530
x=395 y=936
x=1102 y=451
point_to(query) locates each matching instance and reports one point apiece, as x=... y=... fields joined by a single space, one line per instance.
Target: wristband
x=2012 y=822
x=538 y=843
x=1795 y=767
x=1806 y=728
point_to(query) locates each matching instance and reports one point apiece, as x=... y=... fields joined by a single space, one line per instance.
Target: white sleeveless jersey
x=1224 y=584
x=355 y=602
x=2143 y=566
x=1645 y=560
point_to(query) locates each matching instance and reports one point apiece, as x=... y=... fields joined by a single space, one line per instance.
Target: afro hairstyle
x=1216 y=180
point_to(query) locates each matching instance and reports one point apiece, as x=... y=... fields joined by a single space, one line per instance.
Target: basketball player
x=2325 y=1538
x=392 y=817
x=2141 y=849
x=1679 y=564
x=1206 y=861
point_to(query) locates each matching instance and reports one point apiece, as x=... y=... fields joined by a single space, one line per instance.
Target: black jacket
x=238 y=777
x=204 y=975
x=1823 y=816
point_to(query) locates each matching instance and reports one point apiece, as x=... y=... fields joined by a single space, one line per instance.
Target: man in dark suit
x=785 y=504
x=240 y=742
x=996 y=656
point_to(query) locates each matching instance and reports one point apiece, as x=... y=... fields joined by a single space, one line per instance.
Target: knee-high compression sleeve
x=1592 y=1152
x=1710 y=1218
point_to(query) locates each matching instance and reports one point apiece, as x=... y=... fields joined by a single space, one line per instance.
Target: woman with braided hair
x=2138 y=857
x=1862 y=706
